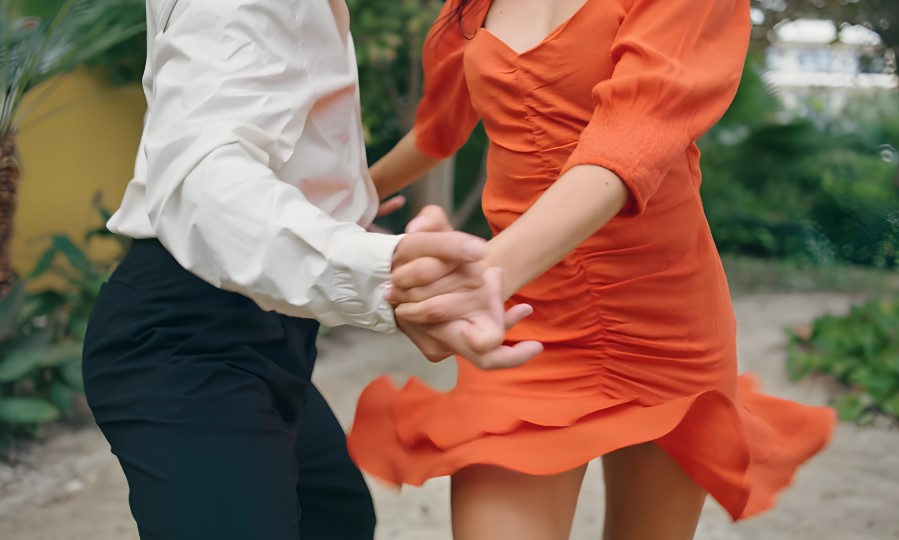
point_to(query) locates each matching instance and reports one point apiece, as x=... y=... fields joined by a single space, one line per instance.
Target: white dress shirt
x=252 y=169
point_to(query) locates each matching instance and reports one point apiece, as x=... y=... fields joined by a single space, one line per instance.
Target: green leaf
x=79 y=329
x=18 y=365
x=45 y=303
x=36 y=339
x=61 y=395
x=101 y=232
x=58 y=355
x=25 y=410
x=891 y=406
x=44 y=263
x=71 y=374
x=849 y=407
x=40 y=8
x=22 y=362
x=73 y=253
x=10 y=309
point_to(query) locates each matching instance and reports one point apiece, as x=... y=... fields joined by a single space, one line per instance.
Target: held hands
x=448 y=301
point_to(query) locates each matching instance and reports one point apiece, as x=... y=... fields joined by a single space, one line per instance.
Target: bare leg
x=491 y=503
x=648 y=496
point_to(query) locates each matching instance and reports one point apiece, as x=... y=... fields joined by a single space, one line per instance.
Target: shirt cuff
x=371 y=262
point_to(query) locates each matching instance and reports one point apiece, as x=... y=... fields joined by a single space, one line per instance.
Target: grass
x=750 y=275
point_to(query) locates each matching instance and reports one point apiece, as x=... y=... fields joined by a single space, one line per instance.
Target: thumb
x=432 y=218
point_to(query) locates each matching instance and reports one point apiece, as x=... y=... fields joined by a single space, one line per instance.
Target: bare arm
x=590 y=196
x=400 y=167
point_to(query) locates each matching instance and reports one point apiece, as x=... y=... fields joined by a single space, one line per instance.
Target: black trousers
x=207 y=402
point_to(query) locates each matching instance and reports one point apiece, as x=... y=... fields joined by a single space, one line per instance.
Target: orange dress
x=637 y=321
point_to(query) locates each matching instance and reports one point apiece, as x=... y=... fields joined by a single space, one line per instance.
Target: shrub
x=861 y=351
x=807 y=192
x=41 y=336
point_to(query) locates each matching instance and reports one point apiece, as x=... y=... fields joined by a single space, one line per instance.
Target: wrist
x=376 y=179
x=510 y=279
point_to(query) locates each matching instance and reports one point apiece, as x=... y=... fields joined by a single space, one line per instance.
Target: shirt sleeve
x=233 y=88
x=677 y=67
x=445 y=117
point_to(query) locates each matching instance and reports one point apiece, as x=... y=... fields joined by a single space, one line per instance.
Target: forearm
x=580 y=202
x=234 y=225
x=400 y=167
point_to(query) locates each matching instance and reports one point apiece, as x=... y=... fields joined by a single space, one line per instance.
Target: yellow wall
x=80 y=140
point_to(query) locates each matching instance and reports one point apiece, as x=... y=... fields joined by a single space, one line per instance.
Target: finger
x=486 y=330
x=516 y=314
x=445 y=308
x=391 y=205
x=420 y=272
x=432 y=218
x=505 y=356
x=466 y=277
x=436 y=358
x=453 y=248
x=432 y=348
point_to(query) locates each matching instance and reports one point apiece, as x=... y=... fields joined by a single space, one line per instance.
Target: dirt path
x=71 y=488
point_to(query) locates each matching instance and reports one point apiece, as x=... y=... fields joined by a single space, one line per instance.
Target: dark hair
x=457 y=16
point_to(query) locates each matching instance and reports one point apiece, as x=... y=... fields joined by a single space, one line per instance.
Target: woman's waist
x=586 y=299
x=602 y=264
x=529 y=160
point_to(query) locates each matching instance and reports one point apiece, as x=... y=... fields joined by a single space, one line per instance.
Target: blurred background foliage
x=785 y=187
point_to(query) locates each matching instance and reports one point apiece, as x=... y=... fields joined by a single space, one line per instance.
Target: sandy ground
x=71 y=488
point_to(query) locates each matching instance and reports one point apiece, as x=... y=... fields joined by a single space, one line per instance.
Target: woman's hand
x=479 y=336
x=387 y=207
x=456 y=309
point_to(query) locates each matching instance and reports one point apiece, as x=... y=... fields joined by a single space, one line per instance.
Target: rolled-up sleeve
x=677 y=68
x=233 y=90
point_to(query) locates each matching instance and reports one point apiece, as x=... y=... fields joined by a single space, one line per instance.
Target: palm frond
x=37 y=49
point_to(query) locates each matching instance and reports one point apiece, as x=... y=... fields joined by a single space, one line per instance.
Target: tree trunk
x=9 y=183
x=435 y=188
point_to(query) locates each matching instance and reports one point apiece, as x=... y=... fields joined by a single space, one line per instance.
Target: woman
x=592 y=110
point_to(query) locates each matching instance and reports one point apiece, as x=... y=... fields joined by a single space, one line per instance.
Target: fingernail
x=388 y=291
x=475 y=248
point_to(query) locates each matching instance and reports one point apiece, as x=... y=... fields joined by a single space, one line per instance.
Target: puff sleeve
x=445 y=117
x=677 y=65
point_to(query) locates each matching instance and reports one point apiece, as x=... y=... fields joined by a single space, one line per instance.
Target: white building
x=817 y=68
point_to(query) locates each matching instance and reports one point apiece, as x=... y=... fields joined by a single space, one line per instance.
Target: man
x=248 y=201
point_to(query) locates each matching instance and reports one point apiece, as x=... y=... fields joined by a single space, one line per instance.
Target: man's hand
x=431 y=252
x=471 y=320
